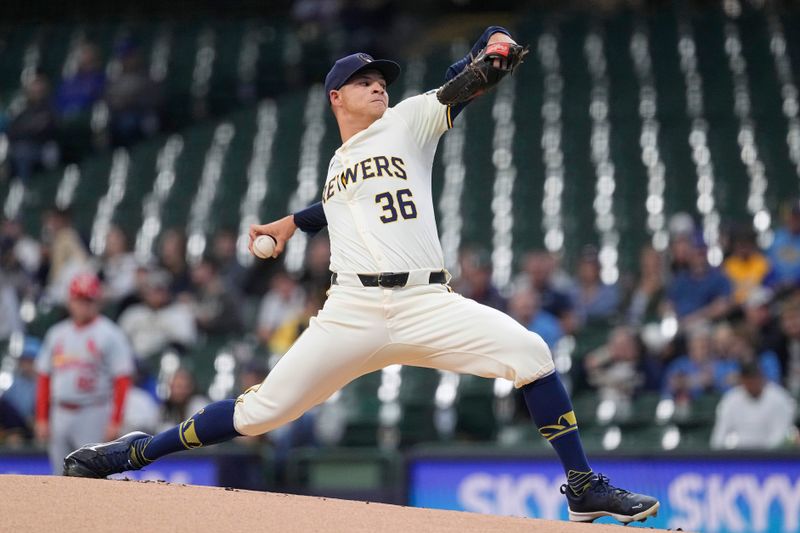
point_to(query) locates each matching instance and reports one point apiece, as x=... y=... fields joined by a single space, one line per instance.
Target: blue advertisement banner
x=194 y=471
x=705 y=495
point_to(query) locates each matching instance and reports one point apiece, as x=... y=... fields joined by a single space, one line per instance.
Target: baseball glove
x=482 y=74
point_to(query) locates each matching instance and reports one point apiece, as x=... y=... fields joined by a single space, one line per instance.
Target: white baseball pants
x=363 y=329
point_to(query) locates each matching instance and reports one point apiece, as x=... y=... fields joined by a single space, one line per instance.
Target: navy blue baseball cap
x=349 y=66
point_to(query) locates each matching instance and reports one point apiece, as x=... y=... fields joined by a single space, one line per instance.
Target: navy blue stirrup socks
x=211 y=425
x=551 y=410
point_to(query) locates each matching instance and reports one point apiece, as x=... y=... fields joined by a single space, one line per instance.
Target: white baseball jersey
x=378 y=203
x=83 y=360
x=377 y=196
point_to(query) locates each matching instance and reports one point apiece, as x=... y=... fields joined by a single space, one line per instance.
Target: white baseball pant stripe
x=363 y=329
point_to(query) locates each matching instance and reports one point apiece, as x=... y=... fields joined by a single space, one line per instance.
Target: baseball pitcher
x=390 y=302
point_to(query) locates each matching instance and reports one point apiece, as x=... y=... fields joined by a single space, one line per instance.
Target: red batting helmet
x=86 y=286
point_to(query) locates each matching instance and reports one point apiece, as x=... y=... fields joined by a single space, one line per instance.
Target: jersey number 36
x=404 y=202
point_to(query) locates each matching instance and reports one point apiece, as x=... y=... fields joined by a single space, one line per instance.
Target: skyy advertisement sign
x=716 y=495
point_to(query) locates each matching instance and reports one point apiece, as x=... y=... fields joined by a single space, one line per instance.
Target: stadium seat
x=142 y=173
x=362 y=407
x=475 y=416
x=417 y=397
x=585 y=407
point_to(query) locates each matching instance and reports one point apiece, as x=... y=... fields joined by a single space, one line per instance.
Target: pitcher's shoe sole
x=638 y=517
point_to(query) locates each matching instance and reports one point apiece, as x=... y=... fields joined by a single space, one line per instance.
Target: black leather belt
x=392 y=279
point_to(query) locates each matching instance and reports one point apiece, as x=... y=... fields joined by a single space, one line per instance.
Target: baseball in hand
x=264 y=246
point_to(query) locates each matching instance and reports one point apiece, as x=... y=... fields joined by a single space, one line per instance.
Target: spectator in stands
x=619 y=369
x=694 y=374
x=788 y=349
x=784 y=253
x=253 y=373
x=158 y=322
x=475 y=281
x=682 y=231
x=316 y=276
x=20 y=254
x=216 y=307
x=724 y=350
x=595 y=301
x=223 y=250
x=732 y=349
x=538 y=274
x=316 y=16
x=140 y=281
x=10 y=319
x=132 y=97
x=284 y=300
x=756 y=414
x=18 y=402
x=368 y=25
x=117 y=267
x=744 y=352
x=172 y=257
x=699 y=292
x=65 y=251
x=524 y=307
x=84 y=86
x=758 y=322
x=746 y=266
x=31 y=131
x=183 y=400
x=290 y=329
x=141 y=412
x=645 y=301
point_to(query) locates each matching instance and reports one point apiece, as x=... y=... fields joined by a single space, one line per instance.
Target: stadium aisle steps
x=767 y=103
x=528 y=186
x=680 y=193
x=188 y=171
x=579 y=174
x=142 y=174
x=731 y=180
x=630 y=176
x=234 y=171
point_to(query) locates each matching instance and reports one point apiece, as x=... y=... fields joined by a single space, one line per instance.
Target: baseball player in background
x=84 y=370
x=389 y=301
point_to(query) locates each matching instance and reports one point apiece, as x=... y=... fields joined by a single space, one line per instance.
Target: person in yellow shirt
x=290 y=329
x=746 y=267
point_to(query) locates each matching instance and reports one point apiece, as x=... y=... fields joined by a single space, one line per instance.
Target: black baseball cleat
x=103 y=459
x=600 y=499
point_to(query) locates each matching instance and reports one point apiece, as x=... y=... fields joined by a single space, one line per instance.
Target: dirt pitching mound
x=42 y=503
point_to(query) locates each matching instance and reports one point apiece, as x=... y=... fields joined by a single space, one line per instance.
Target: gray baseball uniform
x=82 y=362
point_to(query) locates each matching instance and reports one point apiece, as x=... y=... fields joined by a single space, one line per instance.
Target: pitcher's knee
x=253 y=415
x=531 y=347
x=540 y=349
x=532 y=359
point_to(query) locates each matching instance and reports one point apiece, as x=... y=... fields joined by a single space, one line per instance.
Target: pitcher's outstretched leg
x=211 y=425
x=589 y=495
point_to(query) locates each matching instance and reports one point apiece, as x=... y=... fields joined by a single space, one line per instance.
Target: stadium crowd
x=119 y=98
x=119 y=104
x=678 y=326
